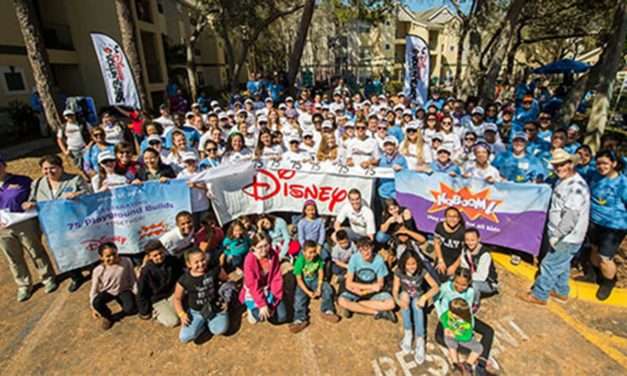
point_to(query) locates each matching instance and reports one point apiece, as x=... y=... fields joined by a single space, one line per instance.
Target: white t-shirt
x=199 y=199
x=73 y=137
x=237 y=156
x=298 y=156
x=270 y=153
x=175 y=243
x=573 y=194
x=114 y=134
x=113 y=180
x=476 y=172
x=412 y=156
x=165 y=122
x=361 y=222
x=362 y=150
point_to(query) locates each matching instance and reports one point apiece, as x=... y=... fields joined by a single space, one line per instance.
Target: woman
x=431 y=127
x=212 y=158
x=23 y=236
x=412 y=147
x=274 y=120
x=106 y=178
x=266 y=150
x=276 y=228
x=97 y=146
x=125 y=165
x=328 y=150
x=149 y=130
x=608 y=217
x=154 y=168
x=56 y=184
x=480 y=167
x=214 y=135
x=179 y=146
x=394 y=217
x=236 y=150
x=450 y=138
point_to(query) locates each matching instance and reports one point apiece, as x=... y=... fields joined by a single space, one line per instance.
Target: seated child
x=113 y=279
x=196 y=298
x=310 y=284
x=341 y=253
x=209 y=237
x=236 y=245
x=407 y=292
x=458 y=323
x=157 y=280
x=177 y=240
x=262 y=292
x=477 y=258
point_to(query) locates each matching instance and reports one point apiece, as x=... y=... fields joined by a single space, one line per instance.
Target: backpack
x=473 y=260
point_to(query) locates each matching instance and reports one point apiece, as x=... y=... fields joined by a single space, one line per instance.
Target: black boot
x=605 y=288
x=589 y=276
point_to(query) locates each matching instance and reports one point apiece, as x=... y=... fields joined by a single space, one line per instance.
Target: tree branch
x=554 y=37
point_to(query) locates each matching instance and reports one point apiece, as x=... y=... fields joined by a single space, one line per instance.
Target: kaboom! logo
x=268 y=184
x=474 y=205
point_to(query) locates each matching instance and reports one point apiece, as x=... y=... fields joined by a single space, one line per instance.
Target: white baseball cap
x=188 y=156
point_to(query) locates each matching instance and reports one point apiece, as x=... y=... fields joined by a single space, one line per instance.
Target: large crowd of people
x=370 y=258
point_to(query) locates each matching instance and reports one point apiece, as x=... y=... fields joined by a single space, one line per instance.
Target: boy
x=341 y=253
x=309 y=272
x=177 y=240
x=157 y=280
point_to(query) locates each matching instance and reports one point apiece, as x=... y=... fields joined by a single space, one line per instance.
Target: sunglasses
x=469 y=139
x=446 y=123
x=209 y=150
x=107 y=161
x=154 y=142
x=412 y=130
x=98 y=134
x=308 y=137
x=529 y=130
x=527 y=102
x=360 y=127
x=382 y=128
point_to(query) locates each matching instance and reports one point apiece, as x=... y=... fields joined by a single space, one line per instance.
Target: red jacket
x=257 y=286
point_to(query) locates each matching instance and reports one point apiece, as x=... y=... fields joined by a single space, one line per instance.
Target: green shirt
x=307 y=269
x=462 y=330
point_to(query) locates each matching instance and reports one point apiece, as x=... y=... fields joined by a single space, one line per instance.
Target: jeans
x=279 y=315
x=126 y=299
x=482 y=288
x=555 y=270
x=217 y=325
x=416 y=314
x=301 y=300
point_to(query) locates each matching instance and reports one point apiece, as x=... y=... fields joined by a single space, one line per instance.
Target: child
x=210 y=237
x=200 y=284
x=458 y=323
x=409 y=277
x=311 y=226
x=443 y=162
x=477 y=258
x=198 y=190
x=113 y=279
x=236 y=245
x=309 y=273
x=157 y=280
x=341 y=253
x=262 y=292
x=447 y=243
x=177 y=240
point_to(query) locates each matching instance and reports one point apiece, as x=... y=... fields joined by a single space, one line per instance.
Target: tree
x=299 y=43
x=38 y=58
x=129 y=45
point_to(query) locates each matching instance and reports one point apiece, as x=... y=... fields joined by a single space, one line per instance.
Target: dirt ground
x=55 y=334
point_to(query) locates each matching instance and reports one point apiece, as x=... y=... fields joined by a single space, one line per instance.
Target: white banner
x=417 y=69
x=116 y=72
x=284 y=187
x=8 y=219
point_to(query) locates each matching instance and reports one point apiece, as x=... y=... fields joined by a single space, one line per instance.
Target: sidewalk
x=20 y=150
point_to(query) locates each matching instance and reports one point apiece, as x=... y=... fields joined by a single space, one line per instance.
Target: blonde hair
x=325 y=153
x=404 y=149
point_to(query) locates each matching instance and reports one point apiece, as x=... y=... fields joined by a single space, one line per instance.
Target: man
x=476 y=121
x=566 y=230
x=183 y=124
x=23 y=236
x=390 y=158
x=180 y=238
x=535 y=145
x=362 y=150
x=165 y=118
x=365 y=284
x=360 y=217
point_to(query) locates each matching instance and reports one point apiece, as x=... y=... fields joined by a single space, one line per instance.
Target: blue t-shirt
x=608 y=198
x=519 y=170
x=367 y=272
x=387 y=188
x=191 y=135
x=91 y=156
x=208 y=163
x=396 y=132
x=436 y=166
x=537 y=147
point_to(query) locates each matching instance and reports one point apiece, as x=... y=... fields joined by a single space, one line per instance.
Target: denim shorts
x=607 y=239
x=380 y=296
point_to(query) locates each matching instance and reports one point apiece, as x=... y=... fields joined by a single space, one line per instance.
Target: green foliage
x=369 y=11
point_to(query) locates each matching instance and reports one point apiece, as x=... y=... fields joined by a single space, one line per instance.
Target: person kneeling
x=200 y=284
x=364 y=284
x=309 y=273
x=113 y=279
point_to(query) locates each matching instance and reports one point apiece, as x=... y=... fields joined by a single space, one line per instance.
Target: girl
x=458 y=322
x=450 y=139
x=412 y=147
x=274 y=120
x=236 y=150
x=236 y=245
x=266 y=150
x=431 y=127
x=394 y=217
x=153 y=168
x=447 y=243
x=311 y=226
x=276 y=229
x=211 y=154
x=113 y=279
x=198 y=192
x=214 y=135
x=480 y=167
x=106 y=177
x=408 y=279
x=477 y=258
x=466 y=154
x=608 y=220
x=459 y=287
x=586 y=166
x=328 y=150
x=179 y=146
x=125 y=165
x=349 y=133
x=262 y=292
x=149 y=130
x=200 y=284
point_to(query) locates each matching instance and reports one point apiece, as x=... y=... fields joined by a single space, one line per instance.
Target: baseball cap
x=407 y=112
x=390 y=140
x=68 y=112
x=289 y=99
x=223 y=115
x=478 y=111
x=437 y=136
x=189 y=114
x=248 y=100
x=262 y=119
x=188 y=156
x=490 y=127
x=520 y=135
x=412 y=125
x=291 y=113
x=214 y=103
x=327 y=124
x=293 y=139
x=153 y=138
x=308 y=132
x=445 y=149
x=195 y=105
x=282 y=106
x=106 y=156
x=268 y=99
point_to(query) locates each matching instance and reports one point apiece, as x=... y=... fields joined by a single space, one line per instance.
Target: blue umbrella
x=563 y=66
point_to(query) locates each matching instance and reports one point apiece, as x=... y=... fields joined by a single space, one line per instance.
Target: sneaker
x=50 y=285
x=330 y=316
x=605 y=289
x=386 y=315
x=346 y=313
x=530 y=298
x=419 y=353
x=105 y=324
x=406 y=341
x=467 y=369
x=75 y=284
x=297 y=326
x=251 y=318
x=558 y=297
x=23 y=293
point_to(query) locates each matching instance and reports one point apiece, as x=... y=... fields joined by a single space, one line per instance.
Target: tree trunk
x=299 y=44
x=499 y=51
x=610 y=59
x=190 y=67
x=460 y=56
x=127 y=29
x=38 y=58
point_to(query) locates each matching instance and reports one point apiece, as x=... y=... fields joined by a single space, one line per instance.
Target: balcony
x=58 y=37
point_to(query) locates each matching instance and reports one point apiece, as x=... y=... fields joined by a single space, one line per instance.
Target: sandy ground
x=55 y=334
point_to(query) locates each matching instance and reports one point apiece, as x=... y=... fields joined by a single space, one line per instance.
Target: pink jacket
x=256 y=285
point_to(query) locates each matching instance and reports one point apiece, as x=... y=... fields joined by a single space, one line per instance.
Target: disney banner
x=129 y=216
x=417 y=69
x=286 y=187
x=506 y=214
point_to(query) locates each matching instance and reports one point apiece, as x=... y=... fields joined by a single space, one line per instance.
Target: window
x=387 y=46
x=13 y=81
x=151 y=58
x=160 y=7
x=452 y=48
x=142 y=8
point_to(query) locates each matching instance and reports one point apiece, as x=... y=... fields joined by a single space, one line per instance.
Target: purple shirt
x=14 y=192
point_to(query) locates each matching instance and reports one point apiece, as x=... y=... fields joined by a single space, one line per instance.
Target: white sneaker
x=251 y=319
x=406 y=341
x=419 y=354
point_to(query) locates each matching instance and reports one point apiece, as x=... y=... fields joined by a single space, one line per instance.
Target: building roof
x=428 y=16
